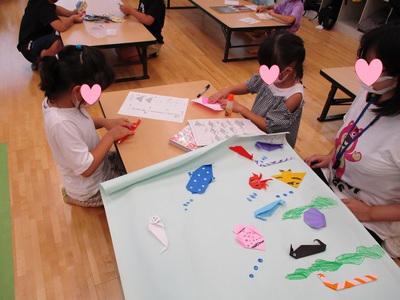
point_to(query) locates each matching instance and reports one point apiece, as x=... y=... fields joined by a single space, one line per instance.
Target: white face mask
x=281 y=80
x=370 y=88
x=81 y=104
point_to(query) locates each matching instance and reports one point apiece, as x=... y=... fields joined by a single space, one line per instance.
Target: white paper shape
x=157 y=228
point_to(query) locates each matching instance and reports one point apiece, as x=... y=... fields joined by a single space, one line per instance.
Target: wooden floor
x=64 y=252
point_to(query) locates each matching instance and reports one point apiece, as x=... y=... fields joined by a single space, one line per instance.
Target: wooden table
x=150 y=144
x=230 y=23
x=129 y=33
x=344 y=79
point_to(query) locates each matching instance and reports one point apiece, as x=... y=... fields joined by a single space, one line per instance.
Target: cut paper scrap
x=256 y=182
x=268 y=210
x=240 y=150
x=268 y=146
x=317 y=202
x=204 y=101
x=362 y=252
x=270 y=163
x=157 y=228
x=249 y=237
x=290 y=178
x=314 y=218
x=307 y=250
x=348 y=283
x=200 y=179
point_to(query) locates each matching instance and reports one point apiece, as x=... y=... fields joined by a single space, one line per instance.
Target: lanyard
x=371 y=99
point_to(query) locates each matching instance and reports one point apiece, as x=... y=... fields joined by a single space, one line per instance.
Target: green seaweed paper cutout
x=317 y=202
x=320 y=265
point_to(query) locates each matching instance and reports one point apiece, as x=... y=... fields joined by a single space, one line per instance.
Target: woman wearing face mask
x=278 y=106
x=83 y=159
x=363 y=168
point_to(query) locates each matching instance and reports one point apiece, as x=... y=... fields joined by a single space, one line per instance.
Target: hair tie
x=78 y=47
x=57 y=57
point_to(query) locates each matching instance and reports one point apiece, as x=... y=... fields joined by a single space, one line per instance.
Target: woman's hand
x=318 y=160
x=359 y=209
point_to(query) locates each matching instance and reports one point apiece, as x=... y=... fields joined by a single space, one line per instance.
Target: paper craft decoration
x=256 y=182
x=157 y=228
x=368 y=73
x=307 y=250
x=362 y=252
x=184 y=139
x=268 y=210
x=348 y=283
x=268 y=146
x=270 y=163
x=290 y=178
x=317 y=202
x=133 y=128
x=249 y=237
x=314 y=218
x=204 y=101
x=240 y=150
x=200 y=179
x=103 y=18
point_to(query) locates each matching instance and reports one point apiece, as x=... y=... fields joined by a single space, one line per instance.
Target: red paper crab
x=256 y=182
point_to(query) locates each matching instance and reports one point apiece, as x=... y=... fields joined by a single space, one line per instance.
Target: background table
x=150 y=144
x=344 y=79
x=230 y=23
x=129 y=33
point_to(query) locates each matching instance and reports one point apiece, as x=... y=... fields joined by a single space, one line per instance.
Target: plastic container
x=229 y=106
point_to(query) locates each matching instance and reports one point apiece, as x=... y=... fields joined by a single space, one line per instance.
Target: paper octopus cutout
x=256 y=182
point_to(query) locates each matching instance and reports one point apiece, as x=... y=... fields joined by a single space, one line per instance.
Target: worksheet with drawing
x=154 y=107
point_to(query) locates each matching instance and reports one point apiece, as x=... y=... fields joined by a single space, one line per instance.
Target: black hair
x=74 y=65
x=385 y=41
x=283 y=48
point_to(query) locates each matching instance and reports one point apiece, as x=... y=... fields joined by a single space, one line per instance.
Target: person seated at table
x=39 y=25
x=151 y=13
x=288 y=11
x=83 y=159
x=363 y=168
x=278 y=106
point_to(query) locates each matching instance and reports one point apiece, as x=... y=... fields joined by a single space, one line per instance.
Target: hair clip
x=79 y=47
x=57 y=57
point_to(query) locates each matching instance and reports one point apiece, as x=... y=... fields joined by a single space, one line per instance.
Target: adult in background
x=363 y=167
x=151 y=13
x=37 y=34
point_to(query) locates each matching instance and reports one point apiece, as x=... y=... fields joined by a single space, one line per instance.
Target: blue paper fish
x=200 y=179
x=268 y=210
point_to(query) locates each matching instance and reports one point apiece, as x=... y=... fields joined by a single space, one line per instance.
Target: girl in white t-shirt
x=363 y=168
x=83 y=159
x=278 y=106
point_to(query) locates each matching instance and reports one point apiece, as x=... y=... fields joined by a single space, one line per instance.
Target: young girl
x=71 y=132
x=277 y=107
x=363 y=168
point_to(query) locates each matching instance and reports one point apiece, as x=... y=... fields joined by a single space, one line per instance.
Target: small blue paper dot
x=251 y=275
x=260 y=260
x=255 y=268
x=285 y=195
x=290 y=192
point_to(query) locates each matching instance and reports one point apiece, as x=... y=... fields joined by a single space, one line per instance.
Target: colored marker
x=203 y=91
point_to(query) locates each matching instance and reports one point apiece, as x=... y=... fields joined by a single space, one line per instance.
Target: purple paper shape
x=314 y=218
x=200 y=179
x=268 y=146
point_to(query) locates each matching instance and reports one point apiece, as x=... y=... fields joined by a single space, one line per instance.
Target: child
x=71 y=132
x=277 y=107
x=41 y=20
x=151 y=13
x=363 y=167
x=288 y=11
